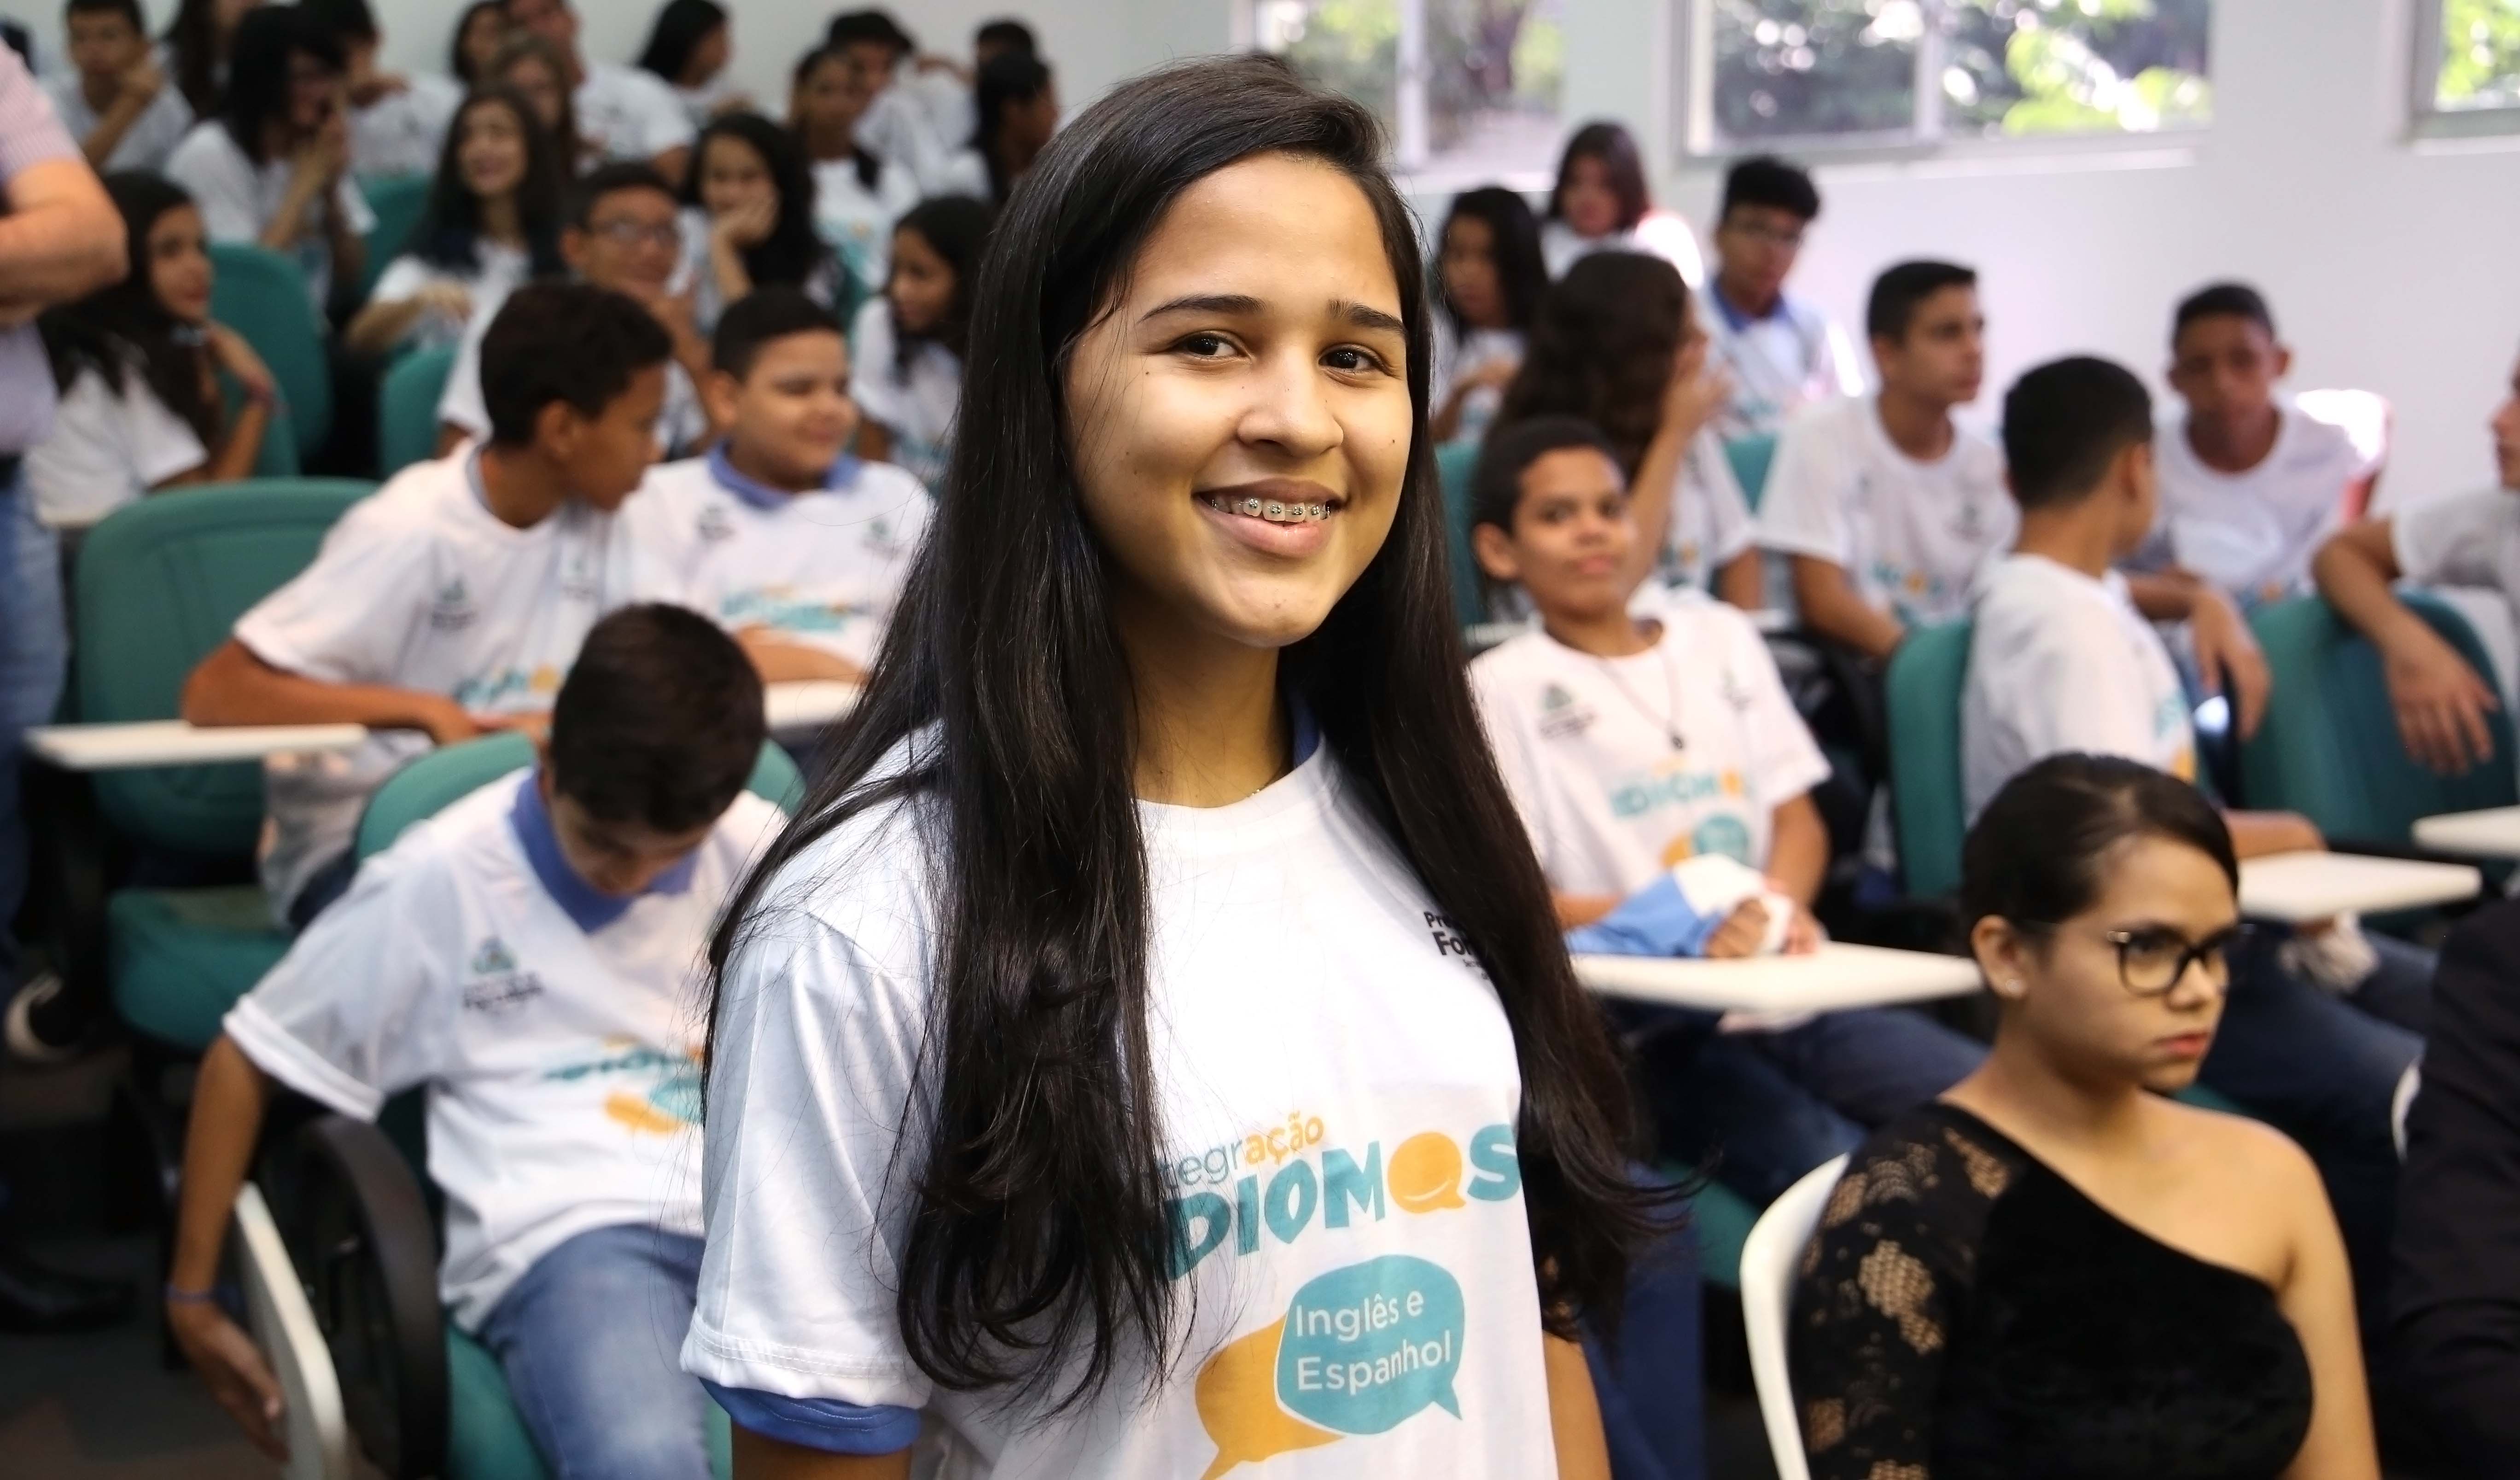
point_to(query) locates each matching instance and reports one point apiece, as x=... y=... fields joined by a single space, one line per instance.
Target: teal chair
x=1455 y=464
x=396 y=202
x=407 y=408
x=1751 y=457
x=262 y=295
x=1925 y=789
x=2329 y=747
x=158 y=584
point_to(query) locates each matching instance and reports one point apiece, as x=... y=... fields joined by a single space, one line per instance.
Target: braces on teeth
x=1272 y=510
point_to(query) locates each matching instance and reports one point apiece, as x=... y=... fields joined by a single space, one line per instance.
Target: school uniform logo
x=716 y=525
x=452 y=610
x=1969 y=524
x=578 y=582
x=1562 y=716
x=497 y=987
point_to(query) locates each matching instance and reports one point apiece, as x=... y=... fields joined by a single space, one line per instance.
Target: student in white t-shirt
x=689 y=48
x=622 y=115
x=787 y=541
x=748 y=218
x=492 y=221
x=2319 y=1026
x=1616 y=345
x=2472 y=540
x=1016 y=105
x=529 y=956
x=453 y=600
x=919 y=113
x=906 y=347
x=116 y=99
x=1224 y=984
x=1665 y=777
x=137 y=366
x=274 y=169
x=1781 y=352
x=858 y=196
x=1489 y=282
x=398 y=120
x=1884 y=508
x=1600 y=203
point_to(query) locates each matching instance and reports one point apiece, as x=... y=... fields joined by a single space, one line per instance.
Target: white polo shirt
x=2254 y=533
x=857 y=219
x=403 y=133
x=558 y=1032
x=107 y=448
x=238 y=198
x=1911 y=536
x=916 y=405
x=1794 y=356
x=151 y=136
x=498 y=270
x=624 y=113
x=2060 y=662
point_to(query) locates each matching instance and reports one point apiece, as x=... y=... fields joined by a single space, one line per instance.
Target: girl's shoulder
x=866 y=883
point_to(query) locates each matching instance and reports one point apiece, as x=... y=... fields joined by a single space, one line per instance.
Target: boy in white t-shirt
x=1883 y=506
x=626 y=113
x=1780 y=352
x=2474 y=540
x=1664 y=777
x=453 y=600
x=118 y=101
x=779 y=534
x=529 y=956
x=397 y=121
x=2317 y=1028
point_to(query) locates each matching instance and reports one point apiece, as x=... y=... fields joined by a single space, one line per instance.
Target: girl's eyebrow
x=1362 y=315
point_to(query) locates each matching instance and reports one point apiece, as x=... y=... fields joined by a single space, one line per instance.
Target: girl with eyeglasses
x=2056 y=1268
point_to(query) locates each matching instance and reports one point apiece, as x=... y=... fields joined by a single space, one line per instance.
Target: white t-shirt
x=680 y=424
x=1659 y=235
x=708 y=302
x=1708 y=527
x=1456 y=355
x=421 y=587
x=624 y=113
x=563 y=1063
x=403 y=133
x=1909 y=535
x=918 y=121
x=502 y=268
x=701 y=104
x=238 y=198
x=1337 y=1096
x=858 y=221
x=915 y=406
x=2060 y=662
x=106 y=449
x=2254 y=533
x=1585 y=745
x=148 y=141
x=820 y=568
x=1790 y=359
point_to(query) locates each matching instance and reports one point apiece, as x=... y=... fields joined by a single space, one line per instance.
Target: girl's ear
x=2003 y=957
x=1496 y=554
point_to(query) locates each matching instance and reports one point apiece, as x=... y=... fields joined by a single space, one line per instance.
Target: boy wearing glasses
x=1781 y=352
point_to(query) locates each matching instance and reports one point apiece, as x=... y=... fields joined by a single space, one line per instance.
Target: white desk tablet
x=2493 y=832
x=2295 y=889
x=807 y=704
x=283 y=1327
x=173 y=743
x=1831 y=979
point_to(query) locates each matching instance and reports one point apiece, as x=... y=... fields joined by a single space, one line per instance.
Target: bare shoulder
x=2249 y=1159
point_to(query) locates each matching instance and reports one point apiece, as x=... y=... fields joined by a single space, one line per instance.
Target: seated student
x=921 y=113
x=858 y=198
x=1487 y=282
x=451 y=600
x=492 y=221
x=688 y=50
x=1631 y=746
x=2056 y=1268
x=1016 y=105
x=907 y=344
x=137 y=366
x=397 y=120
x=537 y=72
x=1616 y=345
x=116 y=99
x=749 y=217
x=793 y=545
x=481 y=30
x=621 y=234
x=1781 y=352
x=274 y=167
x=1600 y=203
x=2321 y=1025
x=527 y=956
x=623 y=115
x=2250 y=486
x=2474 y=540
x=200 y=42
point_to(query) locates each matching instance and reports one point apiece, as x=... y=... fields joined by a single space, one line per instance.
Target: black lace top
x=1962 y=1312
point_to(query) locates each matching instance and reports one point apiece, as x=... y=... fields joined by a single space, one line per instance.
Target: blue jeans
x=35 y=652
x=591 y=1338
x=1769 y=1107
x=1650 y=1384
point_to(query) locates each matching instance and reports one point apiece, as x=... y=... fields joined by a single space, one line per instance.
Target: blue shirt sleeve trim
x=819 y=1423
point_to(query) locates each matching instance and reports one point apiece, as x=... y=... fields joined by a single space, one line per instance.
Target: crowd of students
x=1023 y=929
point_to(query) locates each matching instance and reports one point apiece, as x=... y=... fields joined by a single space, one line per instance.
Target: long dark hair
x=525 y=46
x=870 y=169
x=1036 y=1250
x=259 y=81
x=1616 y=149
x=794 y=250
x=194 y=37
x=956 y=228
x=1513 y=242
x=1007 y=79
x=457 y=66
x=122 y=327
x=1602 y=347
x=449 y=233
x=680 y=29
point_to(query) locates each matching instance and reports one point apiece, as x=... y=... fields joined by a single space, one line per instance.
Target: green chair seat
x=179 y=958
x=1751 y=457
x=1455 y=464
x=407 y=408
x=396 y=202
x=1927 y=805
x=262 y=295
x=1722 y=1220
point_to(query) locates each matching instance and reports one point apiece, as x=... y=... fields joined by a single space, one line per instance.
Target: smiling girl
x=749 y=217
x=907 y=345
x=1153 y=1053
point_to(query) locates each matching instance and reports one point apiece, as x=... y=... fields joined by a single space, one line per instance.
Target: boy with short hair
x=1781 y=352
x=529 y=956
x=116 y=100
x=626 y=113
x=453 y=600
x=2474 y=540
x=779 y=534
x=1665 y=781
x=1884 y=508
x=623 y=233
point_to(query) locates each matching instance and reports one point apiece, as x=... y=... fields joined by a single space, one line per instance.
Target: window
x=1469 y=88
x=1920 y=72
x=2467 y=64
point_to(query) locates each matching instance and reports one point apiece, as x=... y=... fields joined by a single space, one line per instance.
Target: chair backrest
x=1455 y=462
x=277 y=457
x=159 y=583
x=2330 y=748
x=407 y=408
x=430 y=783
x=262 y=295
x=1751 y=457
x=396 y=202
x=1925 y=786
x=1768 y=1260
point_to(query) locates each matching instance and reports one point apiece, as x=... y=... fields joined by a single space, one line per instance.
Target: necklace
x=1668 y=722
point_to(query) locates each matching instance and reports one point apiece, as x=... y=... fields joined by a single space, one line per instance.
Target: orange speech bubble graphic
x=1238 y=1403
x=1427 y=1173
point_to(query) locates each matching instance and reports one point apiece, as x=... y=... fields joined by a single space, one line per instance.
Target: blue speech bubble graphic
x=1367 y=1346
